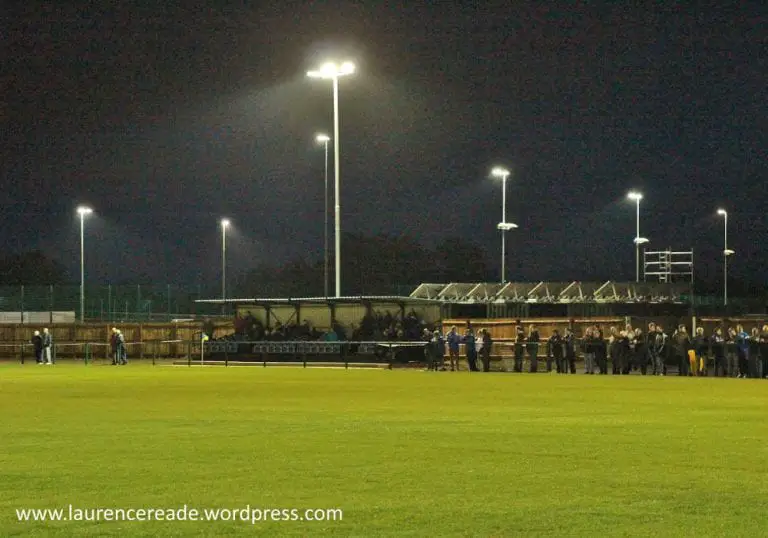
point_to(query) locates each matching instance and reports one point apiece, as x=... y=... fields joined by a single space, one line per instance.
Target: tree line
x=371 y=265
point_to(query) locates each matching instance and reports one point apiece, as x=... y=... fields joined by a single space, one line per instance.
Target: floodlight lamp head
x=332 y=70
x=82 y=210
x=722 y=212
x=224 y=223
x=634 y=195
x=499 y=171
x=322 y=138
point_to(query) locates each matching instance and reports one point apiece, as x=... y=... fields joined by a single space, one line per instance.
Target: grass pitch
x=400 y=452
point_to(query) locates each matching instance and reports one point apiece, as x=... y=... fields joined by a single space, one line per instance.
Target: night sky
x=165 y=119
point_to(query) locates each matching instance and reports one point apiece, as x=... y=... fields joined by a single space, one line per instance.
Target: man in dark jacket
x=570 y=350
x=555 y=352
x=658 y=350
x=37 y=345
x=601 y=351
x=470 y=350
x=651 y=345
x=519 y=348
x=487 y=343
x=640 y=351
x=682 y=343
x=532 y=347
x=717 y=343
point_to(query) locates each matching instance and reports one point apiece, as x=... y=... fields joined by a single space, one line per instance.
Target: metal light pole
x=82 y=211
x=504 y=226
x=324 y=139
x=726 y=252
x=636 y=196
x=333 y=71
x=224 y=226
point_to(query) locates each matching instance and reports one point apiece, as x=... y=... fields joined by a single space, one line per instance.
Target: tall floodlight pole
x=333 y=72
x=224 y=226
x=82 y=211
x=504 y=226
x=324 y=139
x=636 y=196
x=726 y=252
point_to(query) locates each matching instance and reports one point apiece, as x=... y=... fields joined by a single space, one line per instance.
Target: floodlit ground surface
x=400 y=452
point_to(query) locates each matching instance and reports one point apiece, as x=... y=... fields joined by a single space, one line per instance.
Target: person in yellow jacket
x=698 y=353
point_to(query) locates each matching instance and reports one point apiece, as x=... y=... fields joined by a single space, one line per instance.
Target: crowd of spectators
x=374 y=327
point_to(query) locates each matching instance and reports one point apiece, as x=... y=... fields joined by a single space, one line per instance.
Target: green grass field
x=400 y=452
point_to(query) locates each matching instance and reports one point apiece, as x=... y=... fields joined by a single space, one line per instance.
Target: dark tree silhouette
x=31 y=268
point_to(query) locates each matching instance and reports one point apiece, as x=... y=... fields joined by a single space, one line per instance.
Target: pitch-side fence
x=265 y=353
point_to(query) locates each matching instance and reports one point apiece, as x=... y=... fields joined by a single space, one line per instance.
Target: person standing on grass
x=438 y=343
x=122 y=353
x=555 y=352
x=701 y=351
x=37 y=345
x=640 y=356
x=613 y=350
x=486 y=354
x=742 y=351
x=519 y=347
x=113 y=346
x=623 y=353
x=570 y=350
x=479 y=341
x=469 y=350
x=754 y=353
x=532 y=346
x=429 y=350
x=681 y=345
x=601 y=350
x=587 y=346
x=656 y=349
x=47 y=344
x=717 y=343
x=454 y=340
x=764 y=350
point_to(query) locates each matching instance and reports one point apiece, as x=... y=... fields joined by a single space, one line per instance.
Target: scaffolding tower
x=668 y=266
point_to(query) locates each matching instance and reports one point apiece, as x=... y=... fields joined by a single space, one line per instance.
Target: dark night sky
x=166 y=118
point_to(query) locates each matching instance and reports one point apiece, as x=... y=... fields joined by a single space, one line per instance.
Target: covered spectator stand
x=361 y=329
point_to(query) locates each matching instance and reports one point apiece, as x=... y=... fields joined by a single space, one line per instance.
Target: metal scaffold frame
x=668 y=266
